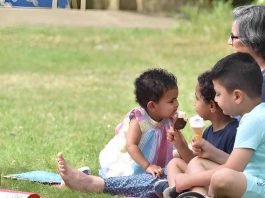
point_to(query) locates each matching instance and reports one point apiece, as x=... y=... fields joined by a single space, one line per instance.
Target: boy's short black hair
x=239 y=71
x=206 y=87
x=152 y=84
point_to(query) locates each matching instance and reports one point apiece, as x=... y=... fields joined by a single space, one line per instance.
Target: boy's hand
x=203 y=149
x=156 y=171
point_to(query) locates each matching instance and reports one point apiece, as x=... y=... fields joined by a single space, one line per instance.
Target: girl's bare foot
x=77 y=180
x=62 y=185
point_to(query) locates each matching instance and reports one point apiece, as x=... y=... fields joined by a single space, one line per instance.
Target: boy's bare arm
x=206 y=150
x=239 y=159
x=218 y=156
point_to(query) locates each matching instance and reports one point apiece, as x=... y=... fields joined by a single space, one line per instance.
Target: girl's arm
x=133 y=138
x=176 y=138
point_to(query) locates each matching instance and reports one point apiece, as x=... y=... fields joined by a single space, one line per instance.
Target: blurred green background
x=60 y=92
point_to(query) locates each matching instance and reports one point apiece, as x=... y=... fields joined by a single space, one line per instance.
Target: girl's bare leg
x=77 y=180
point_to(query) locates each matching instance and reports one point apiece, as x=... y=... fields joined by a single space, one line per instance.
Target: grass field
x=65 y=89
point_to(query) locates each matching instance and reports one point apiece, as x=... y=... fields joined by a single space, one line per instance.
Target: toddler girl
x=140 y=143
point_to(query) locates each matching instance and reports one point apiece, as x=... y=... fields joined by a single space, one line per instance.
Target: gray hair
x=250 y=21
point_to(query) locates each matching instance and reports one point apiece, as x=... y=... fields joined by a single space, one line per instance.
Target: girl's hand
x=174 y=136
x=156 y=171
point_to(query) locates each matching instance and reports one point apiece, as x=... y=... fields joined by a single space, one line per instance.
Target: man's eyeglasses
x=232 y=37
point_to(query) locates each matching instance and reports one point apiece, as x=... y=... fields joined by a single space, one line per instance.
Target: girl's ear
x=151 y=106
x=238 y=96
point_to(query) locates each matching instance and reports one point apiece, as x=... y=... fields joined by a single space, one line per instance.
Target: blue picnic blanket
x=37 y=176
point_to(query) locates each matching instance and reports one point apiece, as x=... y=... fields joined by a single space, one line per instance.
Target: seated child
x=140 y=143
x=237 y=81
x=220 y=134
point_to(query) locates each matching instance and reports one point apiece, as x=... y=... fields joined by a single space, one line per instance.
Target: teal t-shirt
x=251 y=134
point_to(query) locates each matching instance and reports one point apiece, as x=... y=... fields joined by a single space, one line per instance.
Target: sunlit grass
x=65 y=89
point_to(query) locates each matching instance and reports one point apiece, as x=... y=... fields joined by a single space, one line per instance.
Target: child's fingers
x=151 y=171
x=197 y=152
x=170 y=130
x=159 y=173
x=170 y=137
x=156 y=171
x=154 y=174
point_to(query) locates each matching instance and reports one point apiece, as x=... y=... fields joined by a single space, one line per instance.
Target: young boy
x=237 y=81
x=220 y=135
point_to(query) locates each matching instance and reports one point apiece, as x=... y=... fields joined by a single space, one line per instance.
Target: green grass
x=65 y=89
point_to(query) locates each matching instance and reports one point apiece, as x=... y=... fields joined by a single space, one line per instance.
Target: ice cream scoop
x=197 y=125
x=181 y=121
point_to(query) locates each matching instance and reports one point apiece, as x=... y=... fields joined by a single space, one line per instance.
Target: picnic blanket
x=40 y=176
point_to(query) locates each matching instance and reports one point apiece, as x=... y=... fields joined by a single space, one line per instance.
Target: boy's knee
x=221 y=179
x=174 y=162
x=196 y=161
x=194 y=164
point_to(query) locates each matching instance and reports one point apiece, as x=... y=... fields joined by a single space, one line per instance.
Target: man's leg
x=227 y=183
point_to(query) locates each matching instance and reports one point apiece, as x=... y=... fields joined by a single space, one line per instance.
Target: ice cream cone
x=181 y=121
x=197 y=130
x=197 y=125
x=196 y=138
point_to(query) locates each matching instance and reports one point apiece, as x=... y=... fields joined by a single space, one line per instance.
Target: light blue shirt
x=251 y=134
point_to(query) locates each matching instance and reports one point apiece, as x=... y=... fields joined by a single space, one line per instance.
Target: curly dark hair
x=206 y=87
x=152 y=84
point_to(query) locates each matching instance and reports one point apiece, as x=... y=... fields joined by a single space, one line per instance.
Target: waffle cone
x=197 y=130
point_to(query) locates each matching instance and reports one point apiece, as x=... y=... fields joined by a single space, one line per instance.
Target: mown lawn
x=65 y=89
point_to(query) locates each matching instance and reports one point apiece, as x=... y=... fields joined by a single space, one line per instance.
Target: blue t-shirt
x=251 y=135
x=263 y=87
x=223 y=139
